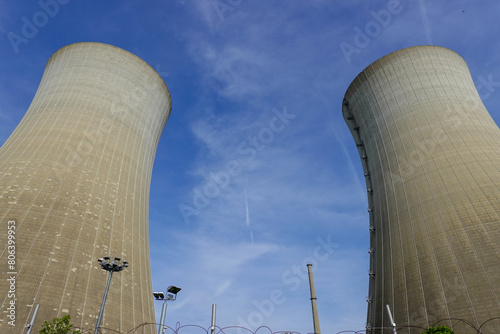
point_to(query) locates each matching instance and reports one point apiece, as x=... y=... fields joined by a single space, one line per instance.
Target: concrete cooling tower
x=74 y=187
x=431 y=158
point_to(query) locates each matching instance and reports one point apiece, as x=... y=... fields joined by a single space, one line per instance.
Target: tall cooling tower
x=74 y=182
x=431 y=158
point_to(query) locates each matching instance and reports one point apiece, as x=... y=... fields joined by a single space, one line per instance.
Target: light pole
x=171 y=295
x=107 y=264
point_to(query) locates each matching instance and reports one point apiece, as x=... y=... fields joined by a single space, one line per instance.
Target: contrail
x=247 y=218
x=425 y=21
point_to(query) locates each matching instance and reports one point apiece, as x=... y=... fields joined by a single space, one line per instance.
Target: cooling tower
x=431 y=158
x=74 y=182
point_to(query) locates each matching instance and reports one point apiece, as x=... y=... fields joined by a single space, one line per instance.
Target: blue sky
x=256 y=173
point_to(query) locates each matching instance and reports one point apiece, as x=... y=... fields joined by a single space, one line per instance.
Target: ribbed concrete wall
x=75 y=178
x=431 y=158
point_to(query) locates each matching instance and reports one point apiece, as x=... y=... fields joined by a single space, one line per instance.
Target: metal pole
x=213 y=319
x=102 y=305
x=313 y=300
x=32 y=322
x=161 y=329
x=393 y=324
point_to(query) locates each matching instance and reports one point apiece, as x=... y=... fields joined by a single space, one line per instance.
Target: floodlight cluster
x=117 y=264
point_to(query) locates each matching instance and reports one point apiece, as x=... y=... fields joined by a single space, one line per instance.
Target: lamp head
x=173 y=289
x=158 y=295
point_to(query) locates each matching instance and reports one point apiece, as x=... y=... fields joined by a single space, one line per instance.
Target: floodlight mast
x=32 y=322
x=393 y=324
x=171 y=295
x=116 y=265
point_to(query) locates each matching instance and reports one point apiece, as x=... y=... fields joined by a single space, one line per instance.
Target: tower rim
x=392 y=54
x=112 y=47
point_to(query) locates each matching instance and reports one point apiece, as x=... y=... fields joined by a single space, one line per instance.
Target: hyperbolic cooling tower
x=431 y=157
x=74 y=178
